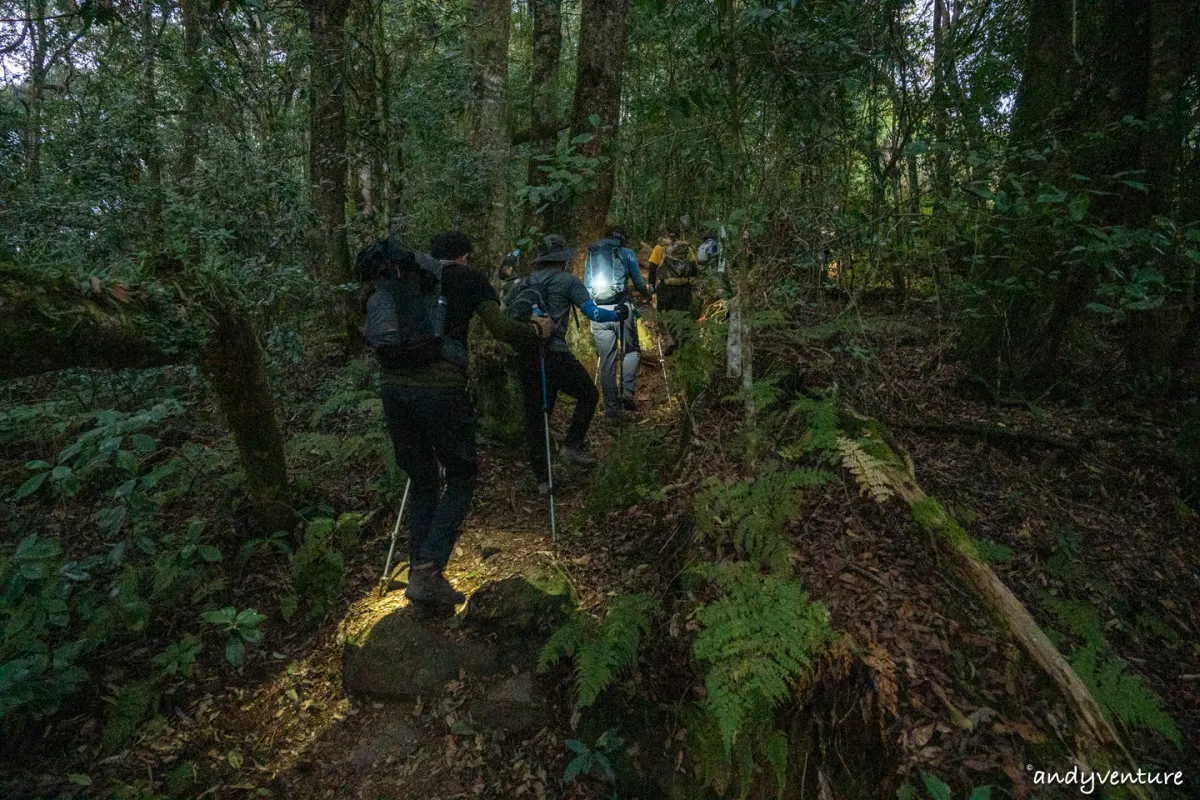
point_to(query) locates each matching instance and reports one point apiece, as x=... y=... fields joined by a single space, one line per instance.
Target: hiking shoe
x=427 y=586
x=629 y=405
x=576 y=455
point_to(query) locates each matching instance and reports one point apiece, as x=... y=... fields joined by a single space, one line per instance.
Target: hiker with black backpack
x=673 y=273
x=543 y=373
x=417 y=324
x=609 y=268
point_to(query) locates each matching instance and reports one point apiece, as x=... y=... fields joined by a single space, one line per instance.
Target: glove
x=622 y=312
x=543 y=325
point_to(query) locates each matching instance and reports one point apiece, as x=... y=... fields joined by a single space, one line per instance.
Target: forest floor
x=1076 y=496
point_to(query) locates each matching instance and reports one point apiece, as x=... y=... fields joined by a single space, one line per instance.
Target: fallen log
x=1097 y=744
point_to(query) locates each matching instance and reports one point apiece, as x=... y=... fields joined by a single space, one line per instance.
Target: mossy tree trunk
x=51 y=323
x=236 y=367
x=487 y=129
x=602 y=35
x=544 y=117
x=327 y=161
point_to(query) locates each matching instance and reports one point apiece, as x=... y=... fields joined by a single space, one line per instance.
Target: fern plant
x=821 y=428
x=602 y=649
x=630 y=473
x=760 y=635
x=1120 y=694
x=752 y=515
x=318 y=570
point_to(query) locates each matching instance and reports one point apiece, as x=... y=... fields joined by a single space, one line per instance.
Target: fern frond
x=822 y=430
x=756 y=639
x=753 y=515
x=602 y=650
x=868 y=470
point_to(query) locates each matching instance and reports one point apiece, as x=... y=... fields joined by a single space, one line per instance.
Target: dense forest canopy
x=1012 y=186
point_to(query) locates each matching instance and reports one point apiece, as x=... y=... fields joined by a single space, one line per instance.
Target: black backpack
x=406 y=318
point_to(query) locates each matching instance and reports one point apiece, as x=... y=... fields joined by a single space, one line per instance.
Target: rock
x=516 y=604
x=514 y=704
x=392 y=736
x=403 y=657
x=487 y=550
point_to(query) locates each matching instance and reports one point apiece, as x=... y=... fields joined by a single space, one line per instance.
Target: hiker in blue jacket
x=609 y=268
x=558 y=290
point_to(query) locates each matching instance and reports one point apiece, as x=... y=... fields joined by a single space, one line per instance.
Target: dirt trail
x=297 y=734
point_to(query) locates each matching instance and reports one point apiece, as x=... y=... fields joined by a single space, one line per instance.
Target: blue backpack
x=604 y=272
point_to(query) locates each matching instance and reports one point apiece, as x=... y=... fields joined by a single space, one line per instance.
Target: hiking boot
x=576 y=455
x=629 y=405
x=427 y=586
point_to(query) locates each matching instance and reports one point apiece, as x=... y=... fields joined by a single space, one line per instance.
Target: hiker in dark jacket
x=430 y=416
x=610 y=267
x=561 y=291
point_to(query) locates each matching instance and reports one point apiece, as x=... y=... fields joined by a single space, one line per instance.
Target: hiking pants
x=431 y=426
x=564 y=374
x=605 y=334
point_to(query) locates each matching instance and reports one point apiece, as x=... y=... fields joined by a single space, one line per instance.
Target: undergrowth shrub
x=318 y=570
x=602 y=649
x=630 y=474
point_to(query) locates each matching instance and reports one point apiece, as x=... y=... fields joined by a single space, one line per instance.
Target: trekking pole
x=546 y=425
x=387 y=567
x=621 y=362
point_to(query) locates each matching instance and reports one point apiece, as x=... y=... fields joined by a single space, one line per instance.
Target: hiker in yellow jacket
x=673 y=274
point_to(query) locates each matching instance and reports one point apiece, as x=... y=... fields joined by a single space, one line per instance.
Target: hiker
x=609 y=267
x=555 y=291
x=417 y=323
x=673 y=272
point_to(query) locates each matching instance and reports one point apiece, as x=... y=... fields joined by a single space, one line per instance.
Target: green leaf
x=209 y=553
x=60 y=472
x=79 y=779
x=906 y=792
x=143 y=444
x=249 y=618
x=127 y=461
x=937 y=789
x=224 y=616
x=37 y=465
x=981 y=793
x=1099 y=308
x=235 y=651
x=594 y=120
x=32 y=485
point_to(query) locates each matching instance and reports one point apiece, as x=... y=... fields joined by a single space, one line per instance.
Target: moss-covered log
x=1097 y=741
x=54 y=322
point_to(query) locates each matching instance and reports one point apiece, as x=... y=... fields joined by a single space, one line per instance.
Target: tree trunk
x=544 y=121
x=236 y=368
x=602 y=34
x=37 y=90
x=487 y=126
x=327 y=140
x=151 y=156
x=941 y=104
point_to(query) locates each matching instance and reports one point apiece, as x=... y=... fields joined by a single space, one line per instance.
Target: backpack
x=677 y=260
x=406 y=319
x=604 y=272
x=531 y=291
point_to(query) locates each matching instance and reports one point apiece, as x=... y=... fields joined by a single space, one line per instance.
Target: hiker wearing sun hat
x=553 y=290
